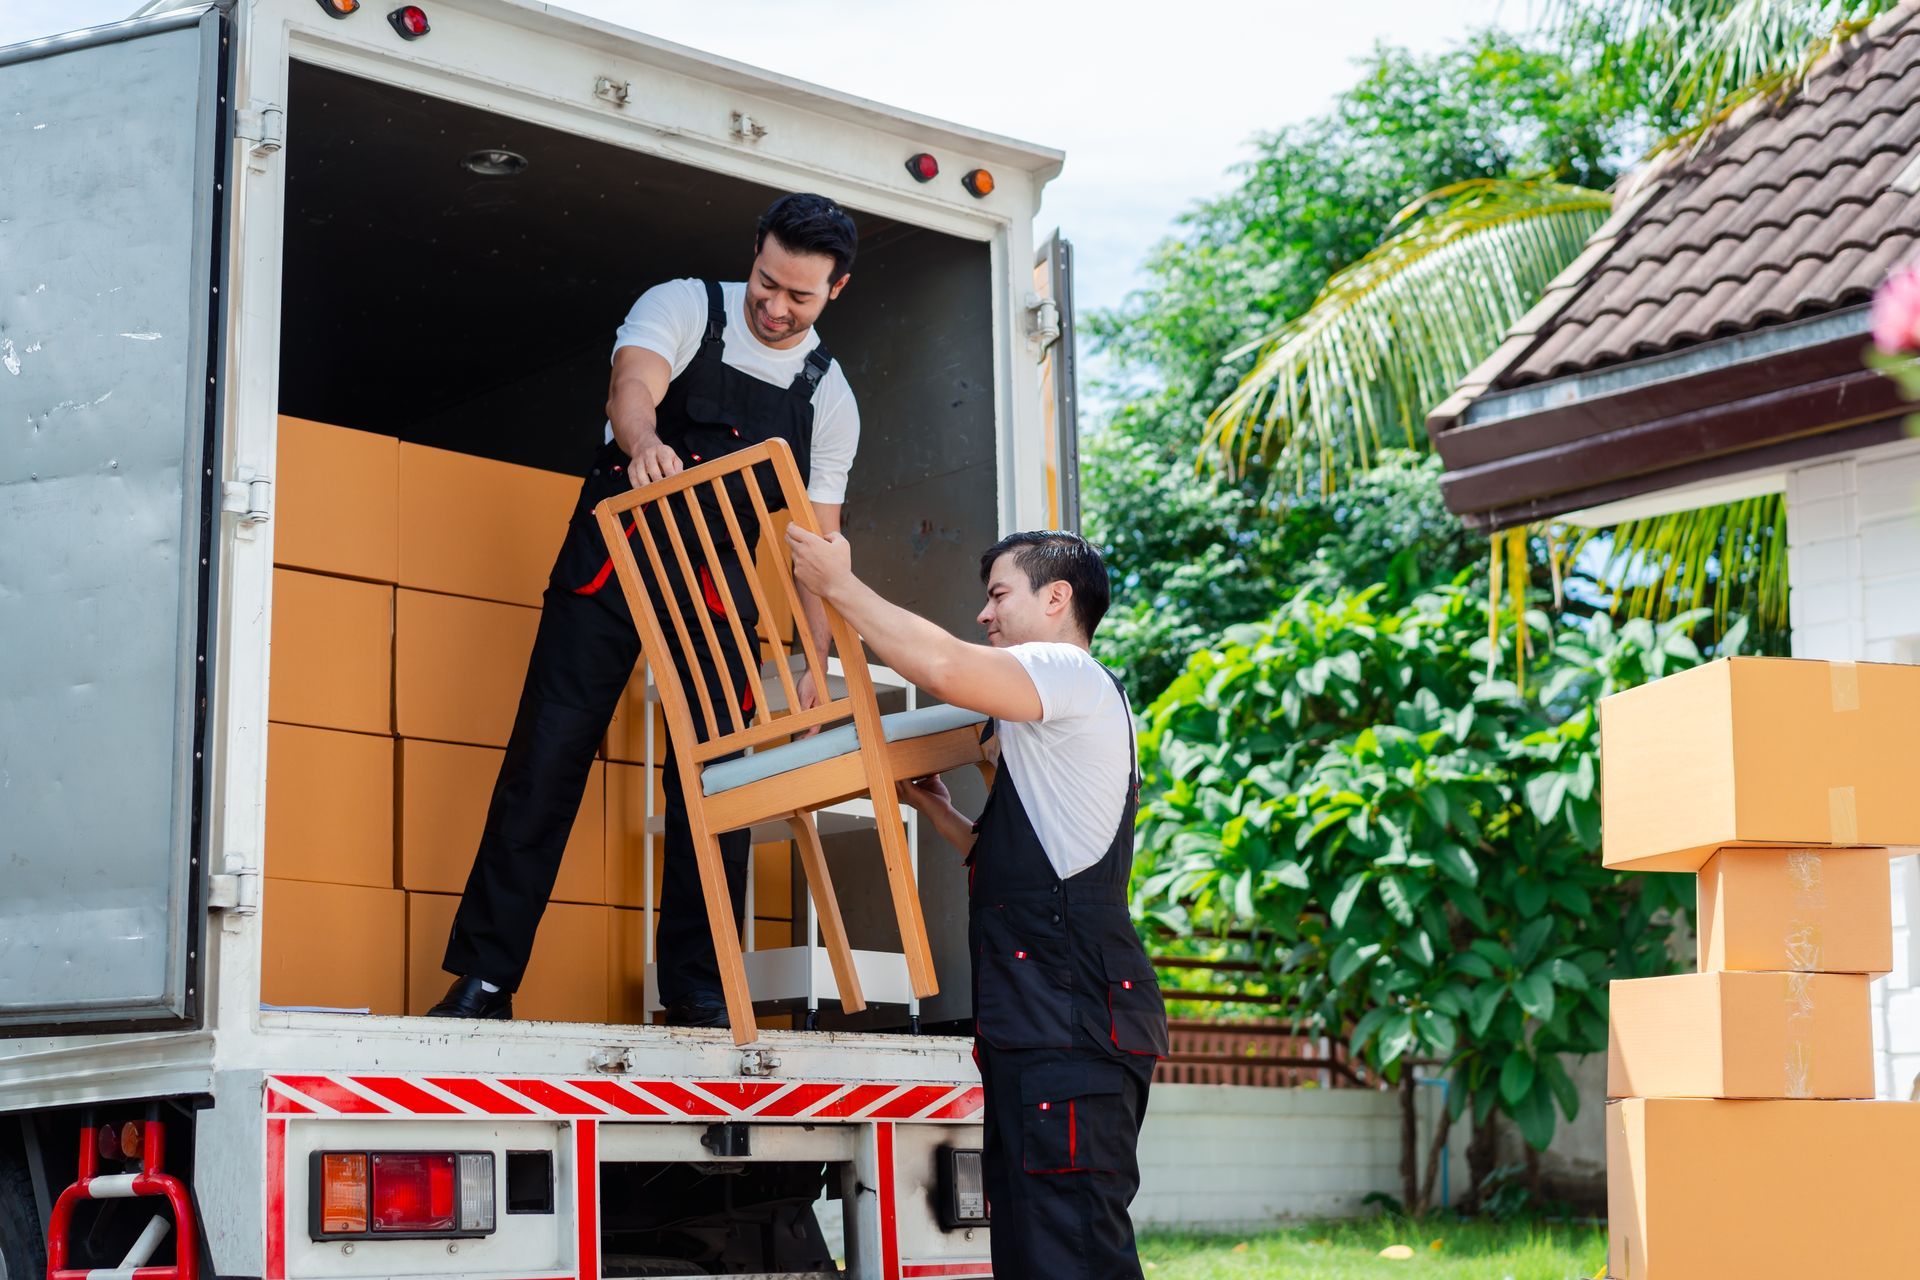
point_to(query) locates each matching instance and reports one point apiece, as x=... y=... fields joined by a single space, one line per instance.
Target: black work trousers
x=583 y=658
x=1060 y=1159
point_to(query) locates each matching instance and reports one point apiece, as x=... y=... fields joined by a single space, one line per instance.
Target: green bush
x=1413 y=842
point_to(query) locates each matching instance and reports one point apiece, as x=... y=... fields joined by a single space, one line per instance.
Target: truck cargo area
x=452 y=279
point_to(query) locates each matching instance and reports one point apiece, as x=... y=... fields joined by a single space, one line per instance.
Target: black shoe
x=466 y=998
x=703 y=1009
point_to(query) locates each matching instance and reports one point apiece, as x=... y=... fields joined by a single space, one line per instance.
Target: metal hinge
x=617 y=92
x=250 y=497
x=746 y=128
x=1043 y=323
x=758 y=1062
x=237 y=889
x=264 y=124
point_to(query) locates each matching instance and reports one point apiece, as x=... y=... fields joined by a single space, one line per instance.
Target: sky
x=1151 y=112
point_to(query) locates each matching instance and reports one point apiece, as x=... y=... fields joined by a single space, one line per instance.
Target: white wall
x=1853 y=532
x=1235 y=1157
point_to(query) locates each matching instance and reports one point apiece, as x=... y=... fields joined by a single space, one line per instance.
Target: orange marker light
x=130 y=1139
x=978 y=183
x=343 y=1193
x=339 y=8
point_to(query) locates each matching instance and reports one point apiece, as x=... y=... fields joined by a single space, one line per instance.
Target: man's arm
x=640 y=379
x=813 y=613
x=973 y=676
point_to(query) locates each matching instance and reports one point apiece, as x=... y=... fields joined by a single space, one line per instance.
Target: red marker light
x=923 y=167
x=410 y=21
x=339 y=8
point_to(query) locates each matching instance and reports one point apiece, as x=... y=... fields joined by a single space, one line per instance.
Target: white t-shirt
x=1074 y=765
x=670 y=319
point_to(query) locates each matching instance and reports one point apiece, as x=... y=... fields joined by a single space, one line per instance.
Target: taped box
x=1706 y=1190
x=1805 y=910
x=1741 y=1035
x=1758 y=751
x=336 y=500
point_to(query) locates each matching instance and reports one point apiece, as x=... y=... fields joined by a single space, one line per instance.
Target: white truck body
x=175 y=1014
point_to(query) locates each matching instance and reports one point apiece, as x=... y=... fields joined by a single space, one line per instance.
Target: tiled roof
x=1791 y=210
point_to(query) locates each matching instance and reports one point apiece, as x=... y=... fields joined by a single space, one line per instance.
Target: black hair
x=806 y=223
x=1051 y=555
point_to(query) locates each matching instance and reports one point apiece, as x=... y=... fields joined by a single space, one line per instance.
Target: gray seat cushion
x=898 y=727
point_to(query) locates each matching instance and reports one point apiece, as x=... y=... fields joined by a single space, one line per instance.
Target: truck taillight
x=923 y=167
x=978 y=182
x=401 y=1194
x=339 y=8
x=410 y=20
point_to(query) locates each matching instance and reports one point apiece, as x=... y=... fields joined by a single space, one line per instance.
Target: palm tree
x=1391 y=335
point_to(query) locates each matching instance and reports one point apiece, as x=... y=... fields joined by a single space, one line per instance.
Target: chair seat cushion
x=898 y=727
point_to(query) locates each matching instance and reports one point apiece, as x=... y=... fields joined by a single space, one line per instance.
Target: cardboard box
x=332 y=659
x=1808 y=910
x=329 y=806
x=458 y=667
x=627 y=964
x=444 y=792
x=625 y=837
x=1741 y=1035
x=773 y=880
x=769 y=935
x=476 y=527
x=338 y=946
x=336 y=500
x=566 y=980
x=1703 y=1190
x=1758 y=751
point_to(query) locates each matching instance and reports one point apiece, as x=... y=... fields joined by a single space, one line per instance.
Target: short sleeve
x=668 y=321
x=836 y=438
x=1070 y=682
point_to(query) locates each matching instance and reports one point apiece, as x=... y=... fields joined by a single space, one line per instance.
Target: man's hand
x=810 y=697
x=823 y=566
x=928 y=795
x=653 y=461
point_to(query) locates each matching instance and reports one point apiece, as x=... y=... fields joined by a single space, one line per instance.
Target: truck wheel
x=23 y=1254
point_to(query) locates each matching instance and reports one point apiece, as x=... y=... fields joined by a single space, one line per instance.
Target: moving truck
x=305 y=316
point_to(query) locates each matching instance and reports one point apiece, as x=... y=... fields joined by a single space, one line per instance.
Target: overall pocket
x=1025 y=997
x=1074 y=1119
x=1136 y=1013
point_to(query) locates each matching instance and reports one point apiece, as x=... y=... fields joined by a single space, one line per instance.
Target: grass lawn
x=1350 y=1251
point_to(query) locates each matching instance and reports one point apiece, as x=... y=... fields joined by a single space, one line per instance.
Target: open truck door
x=1052 y=336
x=112 y=231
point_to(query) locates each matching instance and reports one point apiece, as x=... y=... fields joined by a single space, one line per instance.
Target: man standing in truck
x=700 y=369
x=1068 y=1018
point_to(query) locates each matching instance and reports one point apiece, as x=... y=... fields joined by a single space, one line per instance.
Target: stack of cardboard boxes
x=406 y=597
x=1737 y=1141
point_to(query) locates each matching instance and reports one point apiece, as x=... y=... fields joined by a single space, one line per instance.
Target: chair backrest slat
x=664 y=670
x=761 y=608
x=696 y=601
x=723 y=590
x=815 y=662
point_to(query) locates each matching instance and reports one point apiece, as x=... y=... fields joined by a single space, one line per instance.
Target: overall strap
x=715 y=337
x=807 y=381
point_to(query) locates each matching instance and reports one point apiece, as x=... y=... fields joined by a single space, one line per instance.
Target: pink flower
x=1896 y=311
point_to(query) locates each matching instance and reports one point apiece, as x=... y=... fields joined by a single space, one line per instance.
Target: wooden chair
x=781 y=779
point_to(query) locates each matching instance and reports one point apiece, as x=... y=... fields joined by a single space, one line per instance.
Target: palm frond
x=1702 y=58
x=1390 y=336
x=1730 y=558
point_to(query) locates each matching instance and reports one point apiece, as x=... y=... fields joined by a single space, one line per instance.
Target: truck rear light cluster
x=400 y=1195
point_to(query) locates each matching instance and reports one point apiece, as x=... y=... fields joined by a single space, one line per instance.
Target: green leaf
x=1398 y=904
x=1418 y=947
x=1534 y=993
x=1486 y=1001
x=1457 y=864
x=1437 y=1032
x=1531 y=939
x=1396 y=1037
x=1562 y=1085
x=1534 y=1115
x=1471 y=963
x=1567 y=974
x=1349 y=959
x=1545 y=791
x=1530 y=896
x=1516 y=1076
x=1343 y=901
x=1494 y=954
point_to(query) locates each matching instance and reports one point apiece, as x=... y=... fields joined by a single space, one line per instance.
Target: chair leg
x=906 y=895
x=827 y=903
x=726 y=936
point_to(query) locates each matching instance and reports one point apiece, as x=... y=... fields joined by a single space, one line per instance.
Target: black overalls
x=583 y=658
x=1068 y=1023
